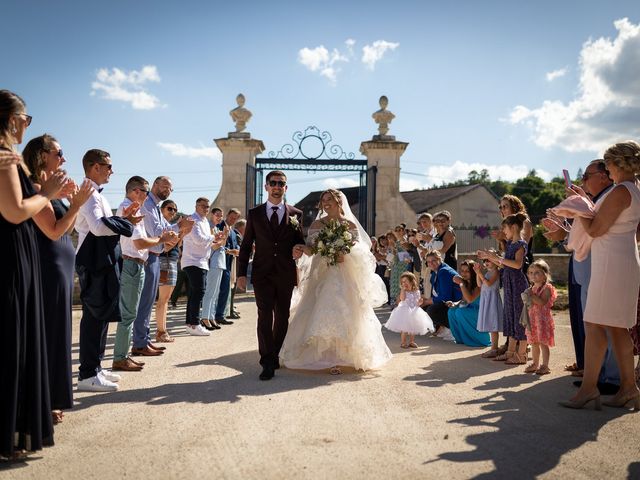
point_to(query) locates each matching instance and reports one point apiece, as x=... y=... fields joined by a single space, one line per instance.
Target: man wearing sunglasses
x=97 y=265
x=135 y=251
x=595 y=182
x=155 y=225
x=276 y=231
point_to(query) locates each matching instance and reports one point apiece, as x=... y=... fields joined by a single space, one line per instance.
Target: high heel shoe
x=577 y=404
x=624 y=400
x=210 y=327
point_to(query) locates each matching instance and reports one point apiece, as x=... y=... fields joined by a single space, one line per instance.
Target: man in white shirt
x=98 y=273
x=196 y=250
x=134 y=256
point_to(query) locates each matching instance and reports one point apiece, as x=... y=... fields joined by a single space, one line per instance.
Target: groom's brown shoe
x=267 y=373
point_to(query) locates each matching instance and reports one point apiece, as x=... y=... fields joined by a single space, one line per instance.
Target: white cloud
x=437 y=174
x=319 y=59
x=339 y=182
x=371 y=54
x=350 y=43
x=607 y=107
x=561 y=72
x=128 y=86
x=181 y=150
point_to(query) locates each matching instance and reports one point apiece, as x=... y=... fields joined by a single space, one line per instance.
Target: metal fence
x=470 y=240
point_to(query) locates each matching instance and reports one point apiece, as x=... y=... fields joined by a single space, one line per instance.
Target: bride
x=332 y=319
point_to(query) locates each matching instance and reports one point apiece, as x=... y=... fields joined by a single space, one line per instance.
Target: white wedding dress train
x=332 y=320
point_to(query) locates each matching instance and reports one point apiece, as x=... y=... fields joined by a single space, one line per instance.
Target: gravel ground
x=440 y=411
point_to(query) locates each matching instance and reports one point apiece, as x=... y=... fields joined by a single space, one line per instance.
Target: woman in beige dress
x=615 y=278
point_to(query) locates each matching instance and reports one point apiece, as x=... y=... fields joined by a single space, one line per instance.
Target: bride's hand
x=340 y=258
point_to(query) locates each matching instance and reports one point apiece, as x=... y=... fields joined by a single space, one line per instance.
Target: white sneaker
x=96 y=383
x=109 y=375
x=197 y=330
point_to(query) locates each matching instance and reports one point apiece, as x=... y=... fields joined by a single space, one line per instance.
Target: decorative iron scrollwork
x=312 y=144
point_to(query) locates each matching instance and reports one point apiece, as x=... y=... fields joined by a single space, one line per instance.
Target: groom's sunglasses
x=277 y=183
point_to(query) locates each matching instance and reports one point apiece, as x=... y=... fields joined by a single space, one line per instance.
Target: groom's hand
x=298 y=250
x=241 y=284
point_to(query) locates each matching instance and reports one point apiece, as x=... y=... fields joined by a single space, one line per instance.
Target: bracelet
x=501 y=261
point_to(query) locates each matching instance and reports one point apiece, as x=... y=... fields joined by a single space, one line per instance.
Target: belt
x=133 y=259
x=154 y=253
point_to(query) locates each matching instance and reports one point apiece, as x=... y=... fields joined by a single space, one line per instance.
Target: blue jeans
x=223 y=296
x=197 y=284
x=210 y=299
x=141 y=336
x=131 y=282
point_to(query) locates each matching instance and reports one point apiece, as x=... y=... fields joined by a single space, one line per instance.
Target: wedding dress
x=332 y=320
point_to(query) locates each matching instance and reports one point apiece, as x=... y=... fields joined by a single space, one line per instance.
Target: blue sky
x=503 y=85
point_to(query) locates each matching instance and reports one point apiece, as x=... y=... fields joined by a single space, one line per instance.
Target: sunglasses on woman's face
x=59 y=153
x=171 y=209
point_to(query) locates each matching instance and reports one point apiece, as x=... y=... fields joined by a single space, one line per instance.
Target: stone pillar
x=384 y=152
x=238 y=149
x=236 y=154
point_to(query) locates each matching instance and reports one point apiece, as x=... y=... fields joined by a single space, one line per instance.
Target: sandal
x=505 y=356
x=517 y=359
x=164 y=337
x=493 y=353
x=57 y=416
x=413 y=345
x=335 y=371
x=404 y=345
x=543 y=370
x=531 y=369
x=571 y=368
x=503 y=349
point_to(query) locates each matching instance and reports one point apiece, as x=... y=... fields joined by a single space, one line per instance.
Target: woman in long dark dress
x=25 y=412
x=43 y=156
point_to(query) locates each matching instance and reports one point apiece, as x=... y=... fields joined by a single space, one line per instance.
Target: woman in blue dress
x=463 y=318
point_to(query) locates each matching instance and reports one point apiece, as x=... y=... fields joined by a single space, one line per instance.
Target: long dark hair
x=472 y=283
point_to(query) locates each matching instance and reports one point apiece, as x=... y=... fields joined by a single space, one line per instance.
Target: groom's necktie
x=274 y=218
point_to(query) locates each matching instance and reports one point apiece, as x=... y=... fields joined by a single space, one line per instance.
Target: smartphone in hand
x=567 y=178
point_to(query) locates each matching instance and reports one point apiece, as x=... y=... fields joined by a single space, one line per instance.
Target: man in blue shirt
x=443 y=291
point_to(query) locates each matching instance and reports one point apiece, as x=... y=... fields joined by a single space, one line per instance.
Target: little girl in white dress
x=408 y=318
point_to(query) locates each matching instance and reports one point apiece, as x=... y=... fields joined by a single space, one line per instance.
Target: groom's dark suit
x=273 y=276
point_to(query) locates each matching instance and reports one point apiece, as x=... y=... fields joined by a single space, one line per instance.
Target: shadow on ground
x=527 y=428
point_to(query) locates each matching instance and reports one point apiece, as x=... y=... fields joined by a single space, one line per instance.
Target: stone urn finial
x=240 y=116
x=383 y=118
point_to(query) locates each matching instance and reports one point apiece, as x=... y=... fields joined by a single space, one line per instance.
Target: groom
x=276 y=230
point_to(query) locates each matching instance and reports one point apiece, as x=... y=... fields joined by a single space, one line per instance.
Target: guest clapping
x=540 y=333
x=613 y=290
x=25 y=408
x=514 y=283
x=463 y=317
x=44 y=157
x=490 y=315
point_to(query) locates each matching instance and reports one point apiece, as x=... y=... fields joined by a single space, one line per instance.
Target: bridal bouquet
x=332 y=241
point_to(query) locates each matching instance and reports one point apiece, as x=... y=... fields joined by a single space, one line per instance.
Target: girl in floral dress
x=540 y=333
x=514 y=282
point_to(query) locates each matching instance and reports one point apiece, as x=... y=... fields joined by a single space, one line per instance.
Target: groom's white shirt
x=280 y=210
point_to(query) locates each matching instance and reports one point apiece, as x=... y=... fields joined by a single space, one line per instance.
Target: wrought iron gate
x=313 y=152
